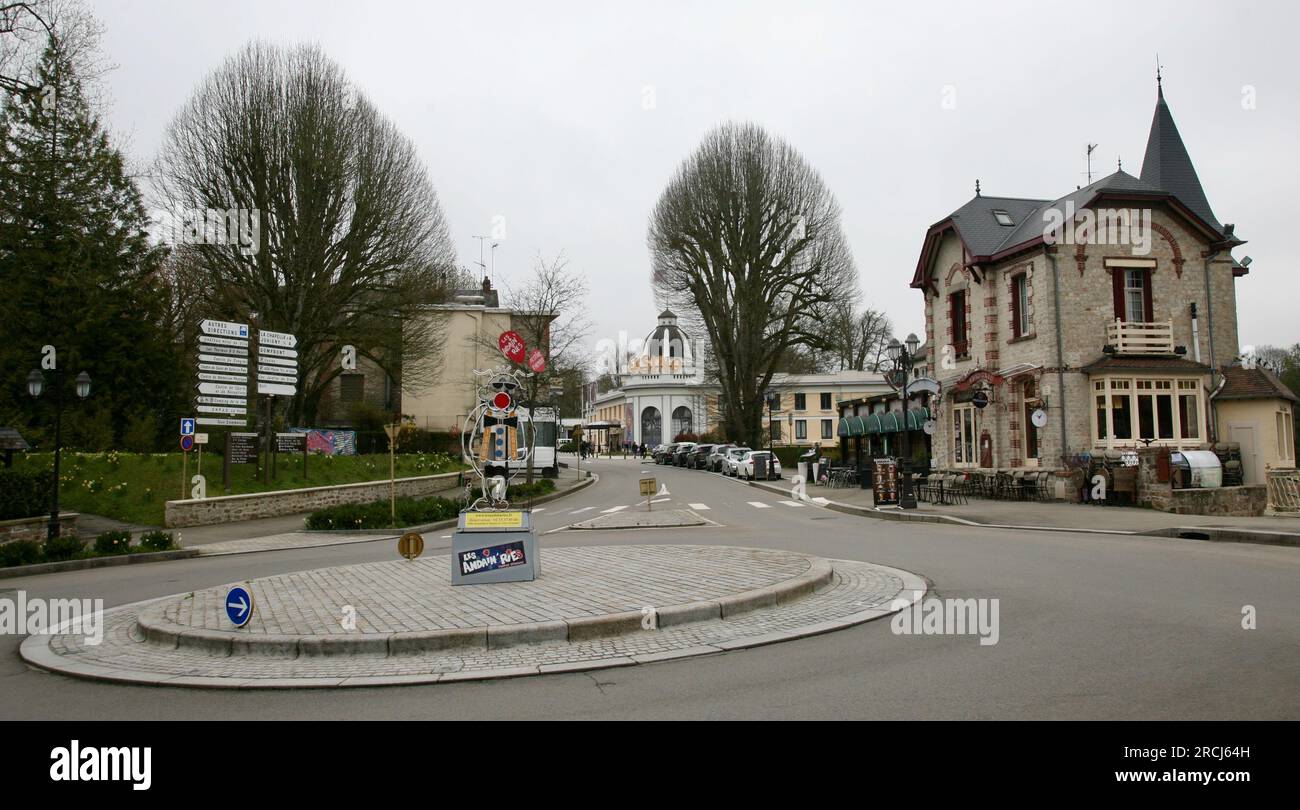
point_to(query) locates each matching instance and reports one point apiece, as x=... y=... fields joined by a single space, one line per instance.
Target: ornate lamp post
x=903 y=357
x=35 y=387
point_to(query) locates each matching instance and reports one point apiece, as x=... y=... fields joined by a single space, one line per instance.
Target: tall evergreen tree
x=76 y=265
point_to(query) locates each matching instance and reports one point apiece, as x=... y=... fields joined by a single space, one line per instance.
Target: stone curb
x=1213 y=534
x=156 y=630
x=97 y=562
x=35 y=650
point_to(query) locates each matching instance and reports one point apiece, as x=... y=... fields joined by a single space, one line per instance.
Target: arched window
x=682 y=422
x=651 y=427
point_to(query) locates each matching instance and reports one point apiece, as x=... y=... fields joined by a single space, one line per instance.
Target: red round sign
x=512 y=346
x=536 y=361
x=187 y=443
x=501 y=401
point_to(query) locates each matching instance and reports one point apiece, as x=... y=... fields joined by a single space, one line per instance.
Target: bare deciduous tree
x=550 y=313
x=862 y=336
x=747 y=236
x=351 y=239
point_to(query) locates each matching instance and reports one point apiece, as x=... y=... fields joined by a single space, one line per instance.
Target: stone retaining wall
x=1245 y=501
x=36 y=528
x=228 y=508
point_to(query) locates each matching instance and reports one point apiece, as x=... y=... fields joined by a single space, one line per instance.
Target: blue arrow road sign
x=187 y=426
x=239 y=606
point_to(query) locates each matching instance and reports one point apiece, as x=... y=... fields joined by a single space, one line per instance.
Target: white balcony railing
x=1141 y=338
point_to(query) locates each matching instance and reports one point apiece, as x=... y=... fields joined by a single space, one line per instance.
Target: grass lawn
x=134 y=486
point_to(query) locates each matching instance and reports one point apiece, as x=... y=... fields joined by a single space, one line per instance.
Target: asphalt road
x=1091 y=626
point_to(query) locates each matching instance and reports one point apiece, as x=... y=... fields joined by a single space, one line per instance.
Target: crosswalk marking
x=704 y=507
x=661 y=500
x=795 y=504
x=759 y=505
x=613 y=509
x=583 y=509
x=540 y=509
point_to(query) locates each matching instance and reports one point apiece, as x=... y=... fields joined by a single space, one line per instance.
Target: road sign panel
x=200 y=438
x=226 y=409
x=221 y=421
x=223 y=358
x=236 y=370
x=281 y=339
x=411 y=545
x=226 y=378
x=271 y=351
x=223 y=389
x=224 y=328
x=238 y=343
x=277 y=361
x=187 y=426
x=187 y=443
x=239 y=606
x=277 y=379
x=276 y=390
x=236 y=401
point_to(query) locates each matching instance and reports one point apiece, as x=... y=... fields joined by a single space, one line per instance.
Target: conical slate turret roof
x=1168 y=167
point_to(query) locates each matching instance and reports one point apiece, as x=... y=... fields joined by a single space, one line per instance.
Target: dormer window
x=1003 y=218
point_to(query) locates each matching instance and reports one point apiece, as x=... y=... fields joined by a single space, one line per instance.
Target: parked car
x=714 y=463
x=700 y=456
x=664 y=453
x=682 y=452
x=733 y=456
x=745 y=467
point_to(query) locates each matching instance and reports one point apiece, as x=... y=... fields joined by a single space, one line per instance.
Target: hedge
x=410 y=511
x=25 y=493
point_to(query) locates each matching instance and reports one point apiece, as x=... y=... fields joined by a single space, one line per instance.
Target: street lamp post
x=35 y=387
x=903 y=357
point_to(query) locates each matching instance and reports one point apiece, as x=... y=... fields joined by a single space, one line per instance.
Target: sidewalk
x=1055 y=515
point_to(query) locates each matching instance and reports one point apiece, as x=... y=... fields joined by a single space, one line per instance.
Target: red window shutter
x=1149 y=296
x=1117 y=280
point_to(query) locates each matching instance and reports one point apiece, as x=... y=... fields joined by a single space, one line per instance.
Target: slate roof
x=1167 y=165
x=1167 y=171
x=1170 y=365
x=11 y=440
x=1252 y=383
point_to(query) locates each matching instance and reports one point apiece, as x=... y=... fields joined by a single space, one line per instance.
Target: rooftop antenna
x=1091 y=147
x=494 y=258
x=483 y=268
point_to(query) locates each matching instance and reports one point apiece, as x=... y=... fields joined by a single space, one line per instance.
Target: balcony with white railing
x=1128 y=337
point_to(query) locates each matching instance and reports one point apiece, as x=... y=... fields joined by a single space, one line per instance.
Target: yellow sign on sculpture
x=494 y=520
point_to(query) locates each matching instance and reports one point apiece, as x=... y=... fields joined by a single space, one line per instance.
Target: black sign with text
x=291 y=442
x=241 y=448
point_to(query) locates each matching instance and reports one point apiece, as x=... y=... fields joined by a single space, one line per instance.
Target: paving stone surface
x=396 y=596
x=857 y=592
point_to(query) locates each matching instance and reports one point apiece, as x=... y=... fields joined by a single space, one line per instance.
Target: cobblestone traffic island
x=403 y=622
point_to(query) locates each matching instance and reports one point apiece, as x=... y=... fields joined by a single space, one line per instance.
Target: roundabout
x=402 y=622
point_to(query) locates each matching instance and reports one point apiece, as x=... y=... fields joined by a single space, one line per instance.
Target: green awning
x=916 y=418
x=872 y=424
x=852 y=426
x=890 y=422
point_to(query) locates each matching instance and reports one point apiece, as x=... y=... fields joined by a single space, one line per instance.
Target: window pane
x=826 y=402
x=827 y=428
x=956 y=437
x=1146 y=419
x=1165 y=416
x=800 y=429
x=969 y=430
x=800 y=402
x=1121 y=415
x=1101 y=418
x=1188 y=417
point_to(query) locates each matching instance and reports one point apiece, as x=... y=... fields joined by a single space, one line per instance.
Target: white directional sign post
x=221 y=372
x=276 y=366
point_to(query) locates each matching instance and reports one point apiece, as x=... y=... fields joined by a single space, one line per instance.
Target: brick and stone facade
x=1181 y=279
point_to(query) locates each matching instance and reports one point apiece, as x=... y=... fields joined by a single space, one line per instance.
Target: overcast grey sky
x=567 y=119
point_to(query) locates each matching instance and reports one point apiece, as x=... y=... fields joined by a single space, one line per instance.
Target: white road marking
x=661 y=500
x=699 y=506
x=795 y=504
x=758 y=505
x=540 y=509
x=612 y=509
x=821 y=501
x=583 y=509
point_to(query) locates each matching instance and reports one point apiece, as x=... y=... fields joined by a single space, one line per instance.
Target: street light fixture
x=903 y=358
x=36 y=387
